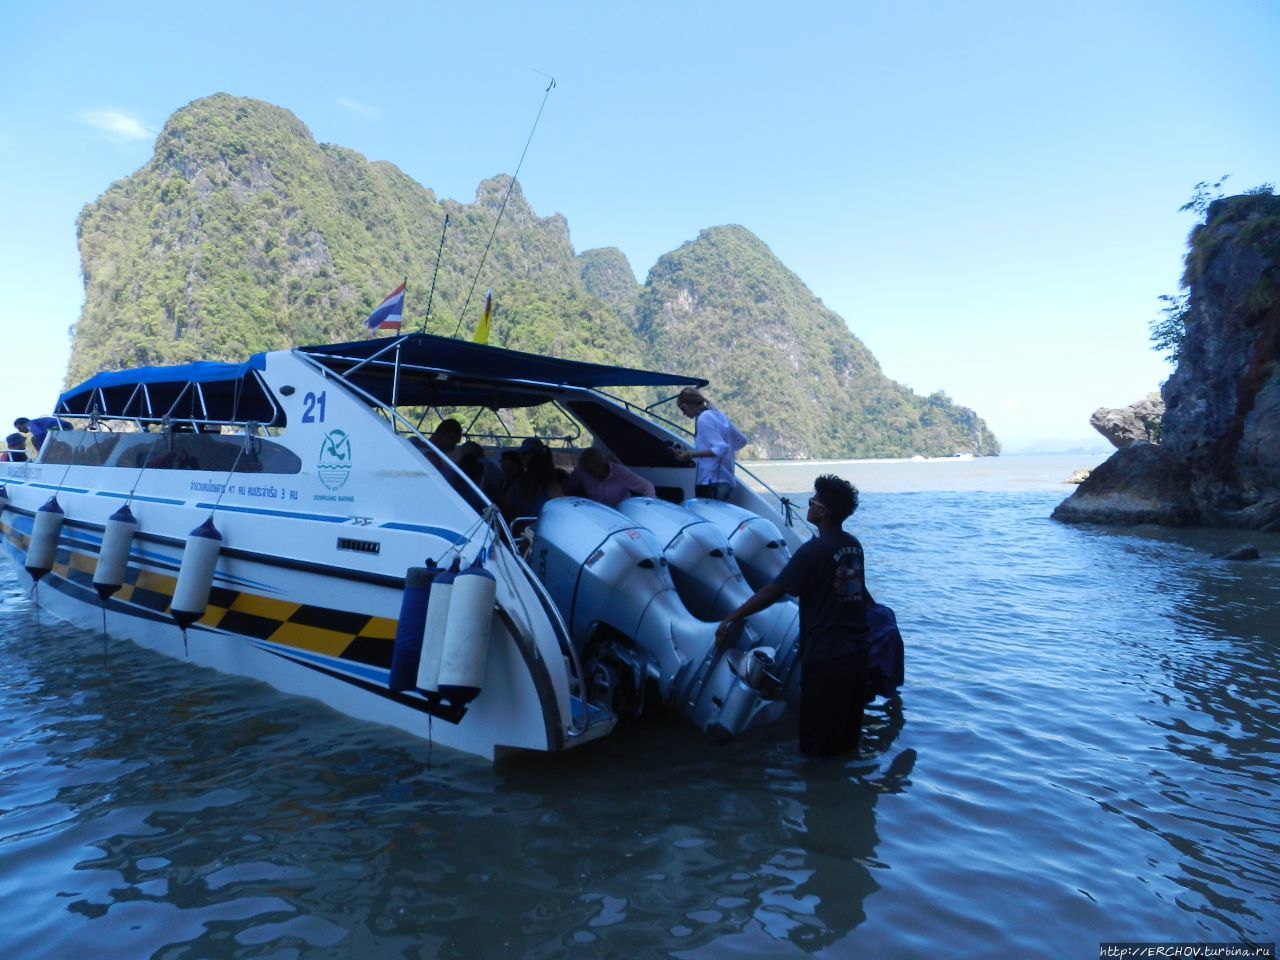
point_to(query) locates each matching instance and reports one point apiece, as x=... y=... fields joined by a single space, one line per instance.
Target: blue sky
x=987 y=192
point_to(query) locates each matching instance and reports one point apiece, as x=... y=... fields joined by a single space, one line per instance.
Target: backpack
x=886 y=668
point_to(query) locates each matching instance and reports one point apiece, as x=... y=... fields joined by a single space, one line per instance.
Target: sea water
x=1087 y=749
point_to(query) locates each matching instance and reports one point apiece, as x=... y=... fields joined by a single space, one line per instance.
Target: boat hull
x=338 y=654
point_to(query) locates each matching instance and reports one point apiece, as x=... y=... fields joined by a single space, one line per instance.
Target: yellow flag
x=482 y=328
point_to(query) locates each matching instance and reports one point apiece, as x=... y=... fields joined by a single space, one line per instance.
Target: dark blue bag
x=407 y=649
x=886 y=669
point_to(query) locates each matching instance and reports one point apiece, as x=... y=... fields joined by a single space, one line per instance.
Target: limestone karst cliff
x=1219 y=459
x=243 y=234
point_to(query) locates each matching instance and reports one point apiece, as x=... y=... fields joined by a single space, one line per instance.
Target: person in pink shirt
x=600 y=479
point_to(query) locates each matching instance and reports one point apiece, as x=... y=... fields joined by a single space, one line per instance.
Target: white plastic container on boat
x=195 y=577
x=433 y=632
x=45 y=532
x=113 y=557
x=466 y=635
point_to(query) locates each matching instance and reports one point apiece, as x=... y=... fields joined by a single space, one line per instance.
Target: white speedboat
x=285 y=519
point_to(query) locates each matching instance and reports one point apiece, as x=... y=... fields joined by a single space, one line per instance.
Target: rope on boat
x=250 y=440
x=787 y=508
x=146 y=461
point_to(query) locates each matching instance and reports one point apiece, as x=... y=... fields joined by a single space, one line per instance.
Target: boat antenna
x=502 y=209
x=435 y=273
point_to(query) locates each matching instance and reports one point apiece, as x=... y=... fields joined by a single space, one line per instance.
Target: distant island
x=243 y=234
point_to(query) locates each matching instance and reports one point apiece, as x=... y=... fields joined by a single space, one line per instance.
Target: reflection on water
x=1086 y=749
x=201 y=815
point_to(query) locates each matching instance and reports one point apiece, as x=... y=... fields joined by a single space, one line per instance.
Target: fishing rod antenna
x=502 y=209
x=435 y=273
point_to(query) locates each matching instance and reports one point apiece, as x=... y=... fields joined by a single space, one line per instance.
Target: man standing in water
x=826 y=574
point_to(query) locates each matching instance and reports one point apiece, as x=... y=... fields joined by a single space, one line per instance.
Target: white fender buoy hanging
x=438 y=603
x=113 y=557
x=406 y=652
x=195 y=576
x=466 y=634
x=44 y=539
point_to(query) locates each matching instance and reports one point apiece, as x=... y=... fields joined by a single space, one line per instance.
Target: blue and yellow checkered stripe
x=357 y=637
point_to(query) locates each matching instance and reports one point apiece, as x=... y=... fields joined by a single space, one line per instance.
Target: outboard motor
x=758 y=545
x=708 y=578
x=607 y=575
x=697 y=553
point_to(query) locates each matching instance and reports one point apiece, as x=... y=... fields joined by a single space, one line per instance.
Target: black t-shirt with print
x=826 y=575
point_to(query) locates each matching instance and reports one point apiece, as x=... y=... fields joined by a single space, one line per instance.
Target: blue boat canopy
x=420 y=369
x=415 y=369
x=199 y=391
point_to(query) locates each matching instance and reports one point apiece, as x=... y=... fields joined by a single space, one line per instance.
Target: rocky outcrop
x=1218 y=463
x=1142 y=483
x=1126 y=426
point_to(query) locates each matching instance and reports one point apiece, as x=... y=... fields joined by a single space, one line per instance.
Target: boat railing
x=561 y=629
x=443 y=464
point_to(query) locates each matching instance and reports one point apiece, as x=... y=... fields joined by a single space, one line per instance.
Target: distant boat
x=282 y=513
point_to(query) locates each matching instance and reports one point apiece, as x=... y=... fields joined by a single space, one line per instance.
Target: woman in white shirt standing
x=715 y=441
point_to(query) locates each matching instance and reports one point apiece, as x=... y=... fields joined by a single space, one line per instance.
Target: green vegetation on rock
x=785 y=367
x=1250 y=218
x=242 y=234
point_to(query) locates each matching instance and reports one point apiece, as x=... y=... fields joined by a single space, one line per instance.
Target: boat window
x=171 y=450
x=506 y=427
x=632 y=445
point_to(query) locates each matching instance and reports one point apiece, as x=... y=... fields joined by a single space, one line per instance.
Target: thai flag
x=387 y=316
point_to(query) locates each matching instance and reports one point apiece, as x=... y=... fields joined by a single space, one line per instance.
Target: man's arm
x=765 y=597
x=573 y=485
x=636 y=485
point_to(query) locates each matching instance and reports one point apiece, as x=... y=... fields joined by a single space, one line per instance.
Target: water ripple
x=1087 y=749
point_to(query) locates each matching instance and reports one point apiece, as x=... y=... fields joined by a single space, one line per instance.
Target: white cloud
x=116 y=124
x=355 y=106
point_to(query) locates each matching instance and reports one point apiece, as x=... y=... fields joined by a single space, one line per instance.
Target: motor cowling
x=705 y=569
x=607 y=575
x=758 y=545
x=698 y=555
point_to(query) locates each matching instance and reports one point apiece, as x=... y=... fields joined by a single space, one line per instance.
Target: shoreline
x=1020 y=473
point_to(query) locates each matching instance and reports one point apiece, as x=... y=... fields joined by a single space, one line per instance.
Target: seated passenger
x=512 y=467
x=601 y=479
x=16 y=449
x=447 y=436
x=441 y=447
x=535 y=486
x=480 y=469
